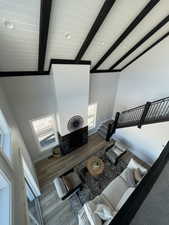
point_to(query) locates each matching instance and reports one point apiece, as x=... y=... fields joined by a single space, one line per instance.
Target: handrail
x=133 y=108
x=162 y=99
x=159 y=100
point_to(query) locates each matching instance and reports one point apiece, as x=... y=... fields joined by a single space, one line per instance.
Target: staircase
x=151 y=112
x=102 y=131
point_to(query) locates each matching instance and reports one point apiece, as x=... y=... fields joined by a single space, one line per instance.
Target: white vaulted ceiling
x=114 y=25
x=19 y=45
x=74 y=17
x=70 y=22
x=151 y=20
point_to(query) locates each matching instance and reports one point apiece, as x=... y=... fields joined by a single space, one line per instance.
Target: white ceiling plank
x=150 y=41
x=74 y=17
x=19 y=46
x=120 y=16
x=157 y=14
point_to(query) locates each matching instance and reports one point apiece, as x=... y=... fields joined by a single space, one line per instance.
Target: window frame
x=2 y=150
x=1 y=139
x=43 y=149
x=6 y=178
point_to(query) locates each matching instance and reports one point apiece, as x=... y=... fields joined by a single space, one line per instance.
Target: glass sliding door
x=5 y=200
x=35 y=215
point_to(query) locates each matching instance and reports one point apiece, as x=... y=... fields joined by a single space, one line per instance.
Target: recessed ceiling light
x=8 y=24
x=68 y=36
x=102 y=43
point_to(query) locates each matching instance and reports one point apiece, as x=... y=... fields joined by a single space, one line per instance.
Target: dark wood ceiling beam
x=68 y=61
x=138 y=44
x=39 y=73
x=128 y=30
x=95 y=27
x=146 y=50
x=43 y=33
x=105 y=71
x=22 y=73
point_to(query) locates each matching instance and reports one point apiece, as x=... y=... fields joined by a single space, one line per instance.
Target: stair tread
x=107 y=122
x=103 y=130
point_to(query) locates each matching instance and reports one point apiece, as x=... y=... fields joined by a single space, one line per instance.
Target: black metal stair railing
x=130 y=117
x=151 y=112
x=158 y=112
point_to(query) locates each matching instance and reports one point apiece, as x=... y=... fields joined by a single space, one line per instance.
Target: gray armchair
x=67 y=184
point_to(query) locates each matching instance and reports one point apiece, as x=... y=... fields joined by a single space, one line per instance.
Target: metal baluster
x=155 y=111
x=138 y=114
x=167 y=111
x=129 y=116
x=149 y=113
x=134 y=116
x=160 y=110
x=141 y=112
x=164 y=109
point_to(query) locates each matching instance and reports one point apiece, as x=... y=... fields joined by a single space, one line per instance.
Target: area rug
x=97 y=185
x=57 y=212
x=94 y=186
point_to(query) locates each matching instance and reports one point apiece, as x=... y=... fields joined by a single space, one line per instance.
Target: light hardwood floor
x=48 y=169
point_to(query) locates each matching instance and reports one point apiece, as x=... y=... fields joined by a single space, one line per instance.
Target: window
x=5 y=200
x=92 y=111
x=5 y=137
x=45 y=131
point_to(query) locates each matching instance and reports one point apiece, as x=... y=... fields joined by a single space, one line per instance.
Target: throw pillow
x=137 y=175
x=128 y=176
x=134 y=165
x=67 y=182
x=104 y=212
x=93 y=218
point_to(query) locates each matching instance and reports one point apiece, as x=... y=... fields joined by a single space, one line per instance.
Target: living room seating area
x=104 y=207
x=95 y=196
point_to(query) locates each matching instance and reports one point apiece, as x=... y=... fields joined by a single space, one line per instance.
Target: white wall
x=145 y=80
x=14 y=172
x=30 y=98
x=34 y=96
x=72 y=93
x=103 y=88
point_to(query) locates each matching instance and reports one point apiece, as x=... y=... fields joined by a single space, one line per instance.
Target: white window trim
x=6 y=158
x=10 y=196
x=35 y=136
x=30 y=178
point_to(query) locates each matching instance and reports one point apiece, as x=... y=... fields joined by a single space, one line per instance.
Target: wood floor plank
x=48 y=169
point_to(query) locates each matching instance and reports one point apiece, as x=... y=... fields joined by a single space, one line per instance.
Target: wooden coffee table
x=95 y=166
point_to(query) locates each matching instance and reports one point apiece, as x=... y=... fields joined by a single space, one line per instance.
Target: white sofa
x=114 y=195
